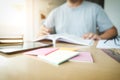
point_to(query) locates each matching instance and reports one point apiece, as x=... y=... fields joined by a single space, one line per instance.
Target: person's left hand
x=91 y=36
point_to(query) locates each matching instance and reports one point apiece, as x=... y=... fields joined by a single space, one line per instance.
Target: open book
x=66 y=38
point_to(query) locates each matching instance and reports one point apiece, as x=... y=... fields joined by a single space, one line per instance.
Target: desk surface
x=23 y=67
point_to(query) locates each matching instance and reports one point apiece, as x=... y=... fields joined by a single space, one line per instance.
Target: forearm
x=109 y=33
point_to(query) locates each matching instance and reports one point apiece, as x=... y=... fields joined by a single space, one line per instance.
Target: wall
x=100 y=2
x=12 y=17
x=23 y=17
x=9 y=24
x=43 y=7
x=112 y=7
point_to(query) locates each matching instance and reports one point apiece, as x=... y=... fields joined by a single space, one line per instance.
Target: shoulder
x=92 y=6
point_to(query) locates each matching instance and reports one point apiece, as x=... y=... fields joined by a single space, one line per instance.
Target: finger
x=85 y=36
x=44 y=33
x=44 y=29
x=90 y=36
x=96 y=37
x=47 y=30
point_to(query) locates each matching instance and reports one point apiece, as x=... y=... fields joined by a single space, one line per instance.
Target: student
x=80 y=18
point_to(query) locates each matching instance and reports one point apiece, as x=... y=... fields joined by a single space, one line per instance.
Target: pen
x=110 y=39
x=106 y=41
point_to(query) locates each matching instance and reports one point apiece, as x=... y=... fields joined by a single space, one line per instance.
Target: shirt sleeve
x=103 y=22
x=50 y=21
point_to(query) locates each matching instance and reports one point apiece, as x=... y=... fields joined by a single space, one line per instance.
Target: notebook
x=83 y=57
x=58 y=56
x=42 y=51
x=108 y=45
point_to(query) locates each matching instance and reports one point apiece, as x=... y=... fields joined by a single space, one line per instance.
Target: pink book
x=41 y=51
x=83 y=57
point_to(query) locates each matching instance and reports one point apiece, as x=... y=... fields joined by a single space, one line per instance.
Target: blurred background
x=22 y=18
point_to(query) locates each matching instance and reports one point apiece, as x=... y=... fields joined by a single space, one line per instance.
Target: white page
x=75 y=40
x=108 y=45
x=67 y=38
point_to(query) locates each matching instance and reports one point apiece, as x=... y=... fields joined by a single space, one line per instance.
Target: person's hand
x=91 y=36
x=44 y=31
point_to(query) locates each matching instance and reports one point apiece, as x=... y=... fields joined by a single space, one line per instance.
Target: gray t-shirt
x=78 y=21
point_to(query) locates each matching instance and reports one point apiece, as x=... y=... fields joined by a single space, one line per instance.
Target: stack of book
x=11 y=39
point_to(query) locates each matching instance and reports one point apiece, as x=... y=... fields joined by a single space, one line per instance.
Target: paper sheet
x=108 y=45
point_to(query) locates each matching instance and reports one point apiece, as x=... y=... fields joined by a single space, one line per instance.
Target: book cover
x=42 y=51
x=83 y=57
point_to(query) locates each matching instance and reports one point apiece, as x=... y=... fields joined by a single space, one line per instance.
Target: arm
x=110 y=33
x=48 y=25
x=105 y=26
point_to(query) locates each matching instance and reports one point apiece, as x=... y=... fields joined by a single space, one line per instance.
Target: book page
x=75 y=40
x=67 y=38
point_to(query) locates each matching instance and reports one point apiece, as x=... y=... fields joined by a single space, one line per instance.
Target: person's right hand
x=44 y=31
